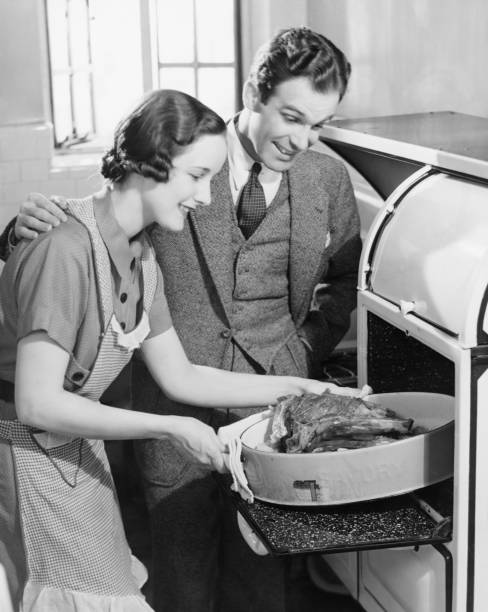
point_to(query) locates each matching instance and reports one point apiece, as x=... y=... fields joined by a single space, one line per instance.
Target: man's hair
x=148 y=140
x=300 y=52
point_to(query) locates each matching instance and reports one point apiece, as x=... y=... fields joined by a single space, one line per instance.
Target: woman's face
x=189 y=183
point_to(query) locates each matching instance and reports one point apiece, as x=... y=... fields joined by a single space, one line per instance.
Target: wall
x=24 y=137
x=261 y=19
x=22 y=96
x=28 y=161
x=410 y=56
x=414 y=56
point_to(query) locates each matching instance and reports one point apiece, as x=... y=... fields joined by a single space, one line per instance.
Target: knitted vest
x=261 y=321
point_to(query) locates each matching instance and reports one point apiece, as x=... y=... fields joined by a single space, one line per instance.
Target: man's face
x=290 y=121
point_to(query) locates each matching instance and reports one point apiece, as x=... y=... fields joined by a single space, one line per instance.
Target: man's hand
x=318 y=387
x=38 y=214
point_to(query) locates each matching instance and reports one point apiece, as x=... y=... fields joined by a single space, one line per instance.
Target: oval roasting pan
x=342 y=477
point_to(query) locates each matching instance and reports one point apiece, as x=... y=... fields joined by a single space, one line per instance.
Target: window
x=203 y=63
x=71 y=70
x=105 y=53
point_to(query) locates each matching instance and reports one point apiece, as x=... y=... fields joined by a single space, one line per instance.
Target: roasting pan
x=332 y=478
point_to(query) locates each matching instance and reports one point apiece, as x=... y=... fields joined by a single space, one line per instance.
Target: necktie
x=252 y=204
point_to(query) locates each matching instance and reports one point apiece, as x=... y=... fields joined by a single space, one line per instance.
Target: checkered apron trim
x=70 y=518
x=113 y=336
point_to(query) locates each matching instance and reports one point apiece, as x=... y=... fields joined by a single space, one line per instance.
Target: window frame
x=150 y=66
x=196 y=64
x=71 y=71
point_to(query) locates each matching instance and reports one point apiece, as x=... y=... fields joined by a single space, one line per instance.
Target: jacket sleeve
x=7 y=240
x=335 y=295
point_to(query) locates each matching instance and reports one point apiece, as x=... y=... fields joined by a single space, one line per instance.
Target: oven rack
x=400 y=521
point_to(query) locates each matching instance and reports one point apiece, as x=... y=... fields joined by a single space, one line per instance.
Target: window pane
x=117 y=76
x=215 y=31
x=175 y=31
x=216 y=88
x=78 y=22
x=177 y=78
x=61 y=107
x=82 y=104
x=58 y=34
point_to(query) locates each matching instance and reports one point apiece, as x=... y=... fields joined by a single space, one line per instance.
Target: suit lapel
x=212 y=226
x=309 y=205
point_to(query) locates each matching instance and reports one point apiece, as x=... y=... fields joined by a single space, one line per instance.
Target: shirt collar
x=121 y=251
x=240 y=161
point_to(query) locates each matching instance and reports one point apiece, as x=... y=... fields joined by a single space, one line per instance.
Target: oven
x=422 y=326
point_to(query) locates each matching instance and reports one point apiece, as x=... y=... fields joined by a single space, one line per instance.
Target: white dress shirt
x=240 y=164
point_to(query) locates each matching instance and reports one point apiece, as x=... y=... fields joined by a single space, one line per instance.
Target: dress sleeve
x=159 y=316
x=52 y=287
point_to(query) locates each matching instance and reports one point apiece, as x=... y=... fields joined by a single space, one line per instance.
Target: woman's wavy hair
x=300 y=52
x=148 y=140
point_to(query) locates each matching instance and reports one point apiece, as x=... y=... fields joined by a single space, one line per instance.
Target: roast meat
x=328 y=422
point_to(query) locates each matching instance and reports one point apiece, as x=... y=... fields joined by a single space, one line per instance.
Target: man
x=263 y=280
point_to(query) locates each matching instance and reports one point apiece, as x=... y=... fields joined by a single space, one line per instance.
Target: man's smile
x=284 y=151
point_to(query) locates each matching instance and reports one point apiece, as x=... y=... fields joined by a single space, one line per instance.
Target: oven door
x=403 y=580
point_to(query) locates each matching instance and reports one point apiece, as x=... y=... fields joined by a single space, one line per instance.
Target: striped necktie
x=252 y=203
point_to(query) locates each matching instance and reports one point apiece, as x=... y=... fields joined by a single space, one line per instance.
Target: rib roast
x=329 y=422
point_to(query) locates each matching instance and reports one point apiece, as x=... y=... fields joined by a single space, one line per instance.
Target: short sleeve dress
x=98 y=296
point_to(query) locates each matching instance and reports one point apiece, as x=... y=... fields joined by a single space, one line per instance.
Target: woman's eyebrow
x=199 y=170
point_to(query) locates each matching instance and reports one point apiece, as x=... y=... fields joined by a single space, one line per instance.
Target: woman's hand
x=204 y=386
x=199 y=440
x=42 y=402
x=38 y=214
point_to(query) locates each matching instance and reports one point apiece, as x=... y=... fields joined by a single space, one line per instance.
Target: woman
x=74 y=305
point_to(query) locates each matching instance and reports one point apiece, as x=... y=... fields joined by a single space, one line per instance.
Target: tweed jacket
x=197 y=263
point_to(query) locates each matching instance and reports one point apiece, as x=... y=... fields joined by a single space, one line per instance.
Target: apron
x=76 y=552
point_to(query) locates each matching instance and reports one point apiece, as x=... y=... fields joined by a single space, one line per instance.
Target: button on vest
x=261 y=318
